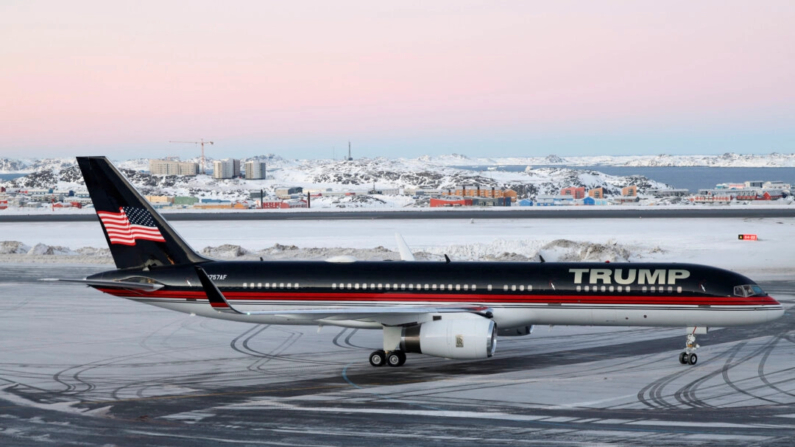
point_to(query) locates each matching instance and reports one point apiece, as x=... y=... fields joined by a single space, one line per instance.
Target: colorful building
x=578 y=192
x=477 y=191
x=630 y=191
x=435 y=203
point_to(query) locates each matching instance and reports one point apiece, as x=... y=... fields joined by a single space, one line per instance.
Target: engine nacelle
x=452 y=339
x=515 y=331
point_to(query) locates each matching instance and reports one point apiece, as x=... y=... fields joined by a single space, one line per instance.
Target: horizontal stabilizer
x=147 y=287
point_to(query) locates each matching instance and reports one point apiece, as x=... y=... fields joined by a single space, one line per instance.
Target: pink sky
x=397 y=78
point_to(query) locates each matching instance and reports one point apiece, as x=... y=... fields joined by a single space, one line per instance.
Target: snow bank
x=499 y=250
x=16 y=252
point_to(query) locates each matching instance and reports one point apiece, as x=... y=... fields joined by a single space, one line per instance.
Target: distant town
x=470 y=194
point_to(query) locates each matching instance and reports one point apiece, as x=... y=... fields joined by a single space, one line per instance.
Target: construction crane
x=200 y=142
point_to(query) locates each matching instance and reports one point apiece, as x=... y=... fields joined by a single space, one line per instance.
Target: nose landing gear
x=688 y=356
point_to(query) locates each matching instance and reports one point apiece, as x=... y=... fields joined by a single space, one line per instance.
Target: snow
x=726 y=160
x=359 y=176
x=703 y=241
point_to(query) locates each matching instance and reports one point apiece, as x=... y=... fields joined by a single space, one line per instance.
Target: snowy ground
x=705 y=241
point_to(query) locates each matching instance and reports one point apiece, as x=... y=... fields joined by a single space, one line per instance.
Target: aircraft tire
x=378 y=358
x=692 y=359
x=393 y=359
x=402 y=358
x=683 y=358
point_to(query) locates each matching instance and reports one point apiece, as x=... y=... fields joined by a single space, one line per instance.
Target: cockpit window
x=748 y=290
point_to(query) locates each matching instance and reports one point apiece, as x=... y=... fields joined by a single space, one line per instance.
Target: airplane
x=447 y=309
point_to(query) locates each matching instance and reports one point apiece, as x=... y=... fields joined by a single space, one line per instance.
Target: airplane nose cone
x=775 y=314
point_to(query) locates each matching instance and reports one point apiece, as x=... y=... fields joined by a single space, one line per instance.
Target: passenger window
x=364 y=286
x=402 y=287
x=521 y=288
x=505 y=287
x=603 y=288
x=670 y=289
x=350 y=286
x=458 y=286
x=289 y=285
x=611 y=288
x=488 y=287
x=372 y=286
x=474 y=287
x=387 y=287
x=466 y=287
x=579 y=288
x=411 y=286
x=618 y=288
x=627 y=289
x=296 y=285
x=433 y=287
x=381 y=285
x=427 y=286
x=587 y=288
x=679 y=289
x=356 y=286
x=651 y=288
x=513 y=288
x=449 y=287
x=394 y=286
x=245 y=284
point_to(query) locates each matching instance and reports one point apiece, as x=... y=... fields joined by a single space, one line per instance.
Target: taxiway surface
x=81 y=368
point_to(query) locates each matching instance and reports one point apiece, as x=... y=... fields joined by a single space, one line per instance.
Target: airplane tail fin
x=137 y=235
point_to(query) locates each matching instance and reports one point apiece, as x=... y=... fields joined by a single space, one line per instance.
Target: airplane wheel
x=402 y=358
x=378 y=358
x=683 y=358
x=393 y=359
x=692 y=359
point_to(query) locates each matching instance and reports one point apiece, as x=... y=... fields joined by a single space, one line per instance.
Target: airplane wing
x=115 y=284
x=403 y=248
x=220 y=304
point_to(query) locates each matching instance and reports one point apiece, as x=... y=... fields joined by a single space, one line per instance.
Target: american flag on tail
x=129 y=224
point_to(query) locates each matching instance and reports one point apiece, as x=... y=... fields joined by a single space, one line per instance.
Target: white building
x=255 y=170
x=777 y=185
x=172 y=167
x=229 y=168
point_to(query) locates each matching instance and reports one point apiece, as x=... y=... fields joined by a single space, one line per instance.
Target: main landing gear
x=393 y=358
x=688 y=356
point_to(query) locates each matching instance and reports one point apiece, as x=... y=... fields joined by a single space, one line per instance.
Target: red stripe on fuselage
x=462 y=298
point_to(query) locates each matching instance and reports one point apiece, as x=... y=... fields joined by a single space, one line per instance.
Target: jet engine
x=452 y=339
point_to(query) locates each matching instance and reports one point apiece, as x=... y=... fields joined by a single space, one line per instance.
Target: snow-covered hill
x=727 y=160
x=10 y=165
x=357 y=175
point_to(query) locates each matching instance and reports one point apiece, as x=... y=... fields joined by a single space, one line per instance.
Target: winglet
x=403 y=248
x=217 y=300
